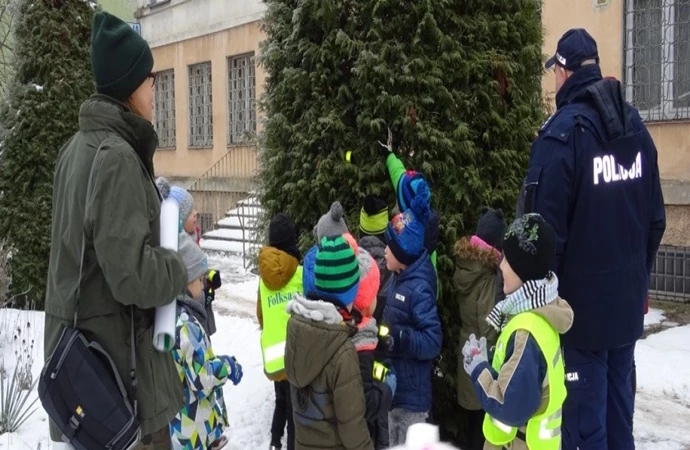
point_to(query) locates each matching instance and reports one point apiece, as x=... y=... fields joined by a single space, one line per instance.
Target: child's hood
x=472 y=263
x=316 y=332
x=276 y=267
x=558 y=313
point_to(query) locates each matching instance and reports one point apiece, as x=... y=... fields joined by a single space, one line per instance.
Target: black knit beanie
x=283 y=235
x=529 y=247
x=491 y=227
x=121 y=60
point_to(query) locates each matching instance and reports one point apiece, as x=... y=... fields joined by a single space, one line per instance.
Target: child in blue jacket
x=411 y=316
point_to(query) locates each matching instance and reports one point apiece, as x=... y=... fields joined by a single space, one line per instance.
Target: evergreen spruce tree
x=51 y=78
x=458 y=82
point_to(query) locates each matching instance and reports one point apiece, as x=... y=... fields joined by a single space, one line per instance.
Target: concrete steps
x=236 y=232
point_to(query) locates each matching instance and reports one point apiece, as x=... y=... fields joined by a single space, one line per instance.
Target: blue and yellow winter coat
x=203 y=375
x=412 y=318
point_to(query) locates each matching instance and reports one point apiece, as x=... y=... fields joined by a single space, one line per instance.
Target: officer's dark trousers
x=598 y=412
x=282 y=414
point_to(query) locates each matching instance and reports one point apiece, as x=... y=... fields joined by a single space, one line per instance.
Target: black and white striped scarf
x=532 y=295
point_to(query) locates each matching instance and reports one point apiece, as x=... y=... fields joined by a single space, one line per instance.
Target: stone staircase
x=237 y=233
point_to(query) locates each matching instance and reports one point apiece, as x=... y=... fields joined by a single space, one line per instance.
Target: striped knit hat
x=336 y=272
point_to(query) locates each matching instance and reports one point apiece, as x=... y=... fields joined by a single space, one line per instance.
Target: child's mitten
x=213 y=277
x=235 y=369
x=211 y=283
x=474 y=352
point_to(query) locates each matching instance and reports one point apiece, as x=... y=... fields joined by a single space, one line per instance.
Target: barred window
x=241 y=96
x=657 y=58
x=200 y=106
x=164 y=107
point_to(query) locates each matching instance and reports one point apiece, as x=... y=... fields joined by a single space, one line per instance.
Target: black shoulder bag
x=81 y=389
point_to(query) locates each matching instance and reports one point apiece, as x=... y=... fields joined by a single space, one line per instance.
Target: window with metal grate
x=200 y=106
x=164 y=106
x=657 y=58
x=241 y=99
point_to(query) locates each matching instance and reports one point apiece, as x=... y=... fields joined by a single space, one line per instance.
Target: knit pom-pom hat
x=332 y=223
x=369 y=281
x=336 y=273
x=183 y=198
x=408 y=188
x=405 y=233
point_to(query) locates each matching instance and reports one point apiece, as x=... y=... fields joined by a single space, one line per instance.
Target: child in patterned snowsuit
x=200 y=424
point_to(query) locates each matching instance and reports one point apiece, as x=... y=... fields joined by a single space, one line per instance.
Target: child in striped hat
x=320 y=359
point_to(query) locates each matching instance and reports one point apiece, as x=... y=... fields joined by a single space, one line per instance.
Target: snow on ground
x=663 y=371
x=654 y=317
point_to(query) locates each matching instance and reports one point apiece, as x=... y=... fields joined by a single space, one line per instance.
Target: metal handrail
x=248 y=241
x=220 y=188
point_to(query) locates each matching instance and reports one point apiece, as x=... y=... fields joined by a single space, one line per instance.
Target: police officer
x=593 y=175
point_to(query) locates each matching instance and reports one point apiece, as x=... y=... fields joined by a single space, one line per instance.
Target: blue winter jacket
x=593 y=175
x=412 y=318
x=308 y=275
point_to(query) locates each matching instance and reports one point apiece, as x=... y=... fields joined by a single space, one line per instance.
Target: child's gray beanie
x=181 y=195
x=332 y=223
x=193 y=257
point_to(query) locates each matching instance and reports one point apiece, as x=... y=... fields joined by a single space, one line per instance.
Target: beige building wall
x=191 y=163
x=606 y=24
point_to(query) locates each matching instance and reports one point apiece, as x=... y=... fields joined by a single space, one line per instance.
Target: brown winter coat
x=323 y=369
x=123 y=265
x=276 y=269
x=476 y=286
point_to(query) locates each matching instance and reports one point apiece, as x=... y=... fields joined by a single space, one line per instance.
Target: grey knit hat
x=332 y=223
x=193 y=257
x=183 y=198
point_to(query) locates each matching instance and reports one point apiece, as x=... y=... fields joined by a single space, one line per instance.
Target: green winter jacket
x=123 y=263
x=478 y=287
x=322 y=366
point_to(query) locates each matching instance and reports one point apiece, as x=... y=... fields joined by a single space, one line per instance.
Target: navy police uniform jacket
x=414 y=324
x=593 y=175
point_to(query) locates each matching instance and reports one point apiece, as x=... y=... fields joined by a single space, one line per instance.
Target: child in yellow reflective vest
x=523 y=389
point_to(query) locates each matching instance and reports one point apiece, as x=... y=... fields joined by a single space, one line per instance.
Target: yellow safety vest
x=543 y=430
x=275 y=319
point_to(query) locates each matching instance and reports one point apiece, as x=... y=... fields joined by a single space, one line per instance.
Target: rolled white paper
x=164 y=325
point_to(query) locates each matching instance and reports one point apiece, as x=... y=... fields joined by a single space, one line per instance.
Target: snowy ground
x=663 y=367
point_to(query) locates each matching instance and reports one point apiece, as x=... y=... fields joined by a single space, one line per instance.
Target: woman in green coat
x=124 y=266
